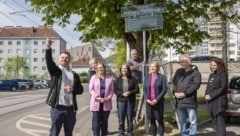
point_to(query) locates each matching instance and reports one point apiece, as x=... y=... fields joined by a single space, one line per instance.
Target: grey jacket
x=187 y=82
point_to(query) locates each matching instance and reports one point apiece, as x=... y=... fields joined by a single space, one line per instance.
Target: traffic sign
x=141 y=23
x=147 y=9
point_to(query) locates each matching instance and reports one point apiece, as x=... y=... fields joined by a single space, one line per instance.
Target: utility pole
x=225 y=45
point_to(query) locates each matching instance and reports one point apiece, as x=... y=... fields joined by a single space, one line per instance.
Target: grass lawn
x=171 y=128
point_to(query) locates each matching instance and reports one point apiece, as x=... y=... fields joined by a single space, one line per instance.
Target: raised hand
x=48 y=43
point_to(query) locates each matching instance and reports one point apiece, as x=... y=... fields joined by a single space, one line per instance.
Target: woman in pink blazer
x=101 y=89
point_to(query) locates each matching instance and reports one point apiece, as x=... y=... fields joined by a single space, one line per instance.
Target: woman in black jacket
x=125 y=87
x=215 y=95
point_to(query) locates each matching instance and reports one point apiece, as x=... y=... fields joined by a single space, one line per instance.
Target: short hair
x=92 y=60
x=155 y=62
x=66 y=52
x=186 y=58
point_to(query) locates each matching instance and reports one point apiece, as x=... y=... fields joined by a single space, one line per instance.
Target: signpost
x=141 y=18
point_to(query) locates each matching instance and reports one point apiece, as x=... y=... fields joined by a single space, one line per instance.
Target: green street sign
x=147 y=9
x=141 y=23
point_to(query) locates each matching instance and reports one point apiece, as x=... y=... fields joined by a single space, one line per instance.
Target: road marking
x=37 y=131
x=22 y=123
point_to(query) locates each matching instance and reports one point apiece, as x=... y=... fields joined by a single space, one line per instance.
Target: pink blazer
x=94 y=89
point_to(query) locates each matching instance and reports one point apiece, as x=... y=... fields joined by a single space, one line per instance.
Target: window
x=44 y=68
x=1 y=51
x=10 y=51
x=27 y=51
x=9 y=42
x=35 y=68
x=35 y=50
x=1 y=42
x=18 y=42
x=18 y=51
x=1 y=60
x=43 y=59
x=231 y=52
x=27 y=42
x=35 y=42
x=43 y=42
x=35 y=59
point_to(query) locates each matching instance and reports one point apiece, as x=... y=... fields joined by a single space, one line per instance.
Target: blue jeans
x=126 y=109
x=65 y=116
x=185 y=114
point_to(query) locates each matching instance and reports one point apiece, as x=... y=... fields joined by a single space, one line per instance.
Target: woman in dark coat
x=155 y=87
x=215 y=95
x=125 y=87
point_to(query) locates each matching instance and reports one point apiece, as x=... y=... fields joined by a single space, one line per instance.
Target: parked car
x=38 y=84
x=8 y=85
x=23 y=84
x=46 y=83
x=202 y=58
x=233 y=96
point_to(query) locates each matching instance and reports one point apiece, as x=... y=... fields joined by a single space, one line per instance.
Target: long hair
x=104 y=67
x=221 y=65
x=129 y=72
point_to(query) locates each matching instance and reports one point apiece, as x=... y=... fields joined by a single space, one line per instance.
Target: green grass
x=200 y=99
x=170 y=123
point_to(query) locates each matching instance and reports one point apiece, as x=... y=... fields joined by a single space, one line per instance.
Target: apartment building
x=81 y=56
x=213 y=46
x=29 y=42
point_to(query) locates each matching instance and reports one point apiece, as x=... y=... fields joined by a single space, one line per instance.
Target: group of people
x=65 y=85
x=186 y=82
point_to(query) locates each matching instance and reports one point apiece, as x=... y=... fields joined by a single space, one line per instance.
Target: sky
x=17 y=13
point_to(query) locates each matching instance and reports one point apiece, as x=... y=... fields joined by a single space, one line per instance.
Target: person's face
x=213 y=66
x=100 y=69
x=94 y=64
x=124 y=70
x=134 y=55
x=184 y=63
x=153 y=68
x=64 y=60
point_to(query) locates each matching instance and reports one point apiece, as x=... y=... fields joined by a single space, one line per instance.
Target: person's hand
x=68 y=88
x=179 y=95
x=207 y=97
x=48 y=43
x=149 y=101
x=126 y=94
x=154 y=102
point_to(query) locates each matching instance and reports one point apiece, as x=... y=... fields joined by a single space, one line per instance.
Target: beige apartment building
x=29 y=42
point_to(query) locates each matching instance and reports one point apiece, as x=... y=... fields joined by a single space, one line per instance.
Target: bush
x=83 y=79
x=83 y=74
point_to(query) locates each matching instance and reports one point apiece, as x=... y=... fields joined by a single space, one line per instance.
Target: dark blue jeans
x=62 y=115
x=100 y=122
x=126 y=109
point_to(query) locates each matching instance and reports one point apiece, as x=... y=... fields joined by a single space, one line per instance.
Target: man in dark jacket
x=186 y=82
x=65 y=85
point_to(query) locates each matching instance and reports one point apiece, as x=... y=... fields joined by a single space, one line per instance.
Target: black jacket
x=56 y=79
x=132 y=87
x=188 y=83
x=217 y=89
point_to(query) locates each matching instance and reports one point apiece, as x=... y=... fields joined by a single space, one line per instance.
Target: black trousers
x=219 y=124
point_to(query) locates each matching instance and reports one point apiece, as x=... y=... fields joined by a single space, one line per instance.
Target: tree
x=13 y=66
x=102 y=19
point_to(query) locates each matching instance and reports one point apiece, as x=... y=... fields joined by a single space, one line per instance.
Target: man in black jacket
x=186 y=82
x=65 y=85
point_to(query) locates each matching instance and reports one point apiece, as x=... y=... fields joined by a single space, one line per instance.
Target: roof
x=19 y=31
